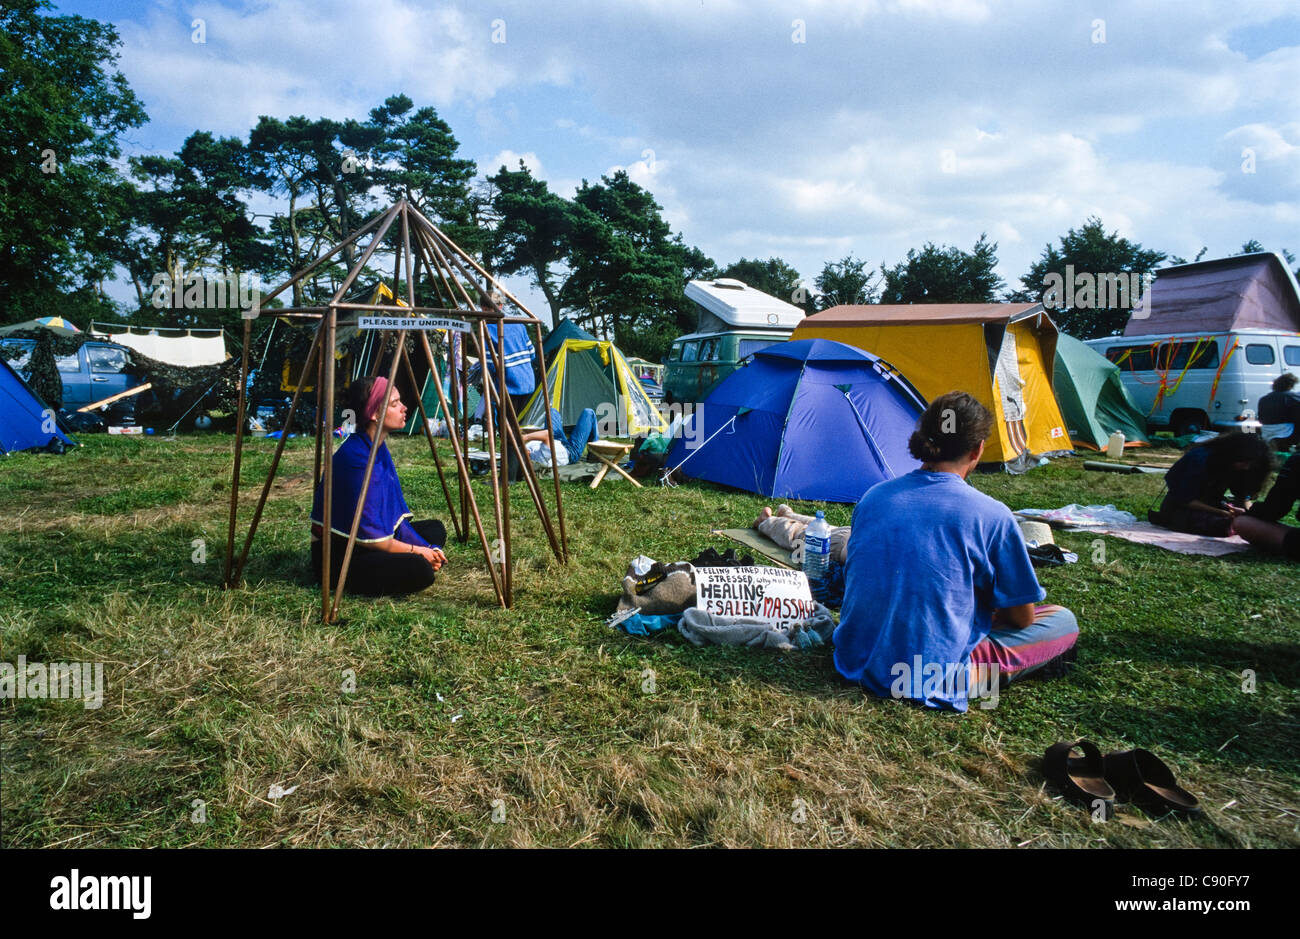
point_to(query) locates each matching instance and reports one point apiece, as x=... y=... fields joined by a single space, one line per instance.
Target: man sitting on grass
x=1261 y=526
x=938 y=578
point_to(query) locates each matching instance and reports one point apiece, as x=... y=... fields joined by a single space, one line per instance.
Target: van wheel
x=1189 y=422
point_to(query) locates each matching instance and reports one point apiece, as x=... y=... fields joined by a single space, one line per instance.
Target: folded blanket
x=703 y=628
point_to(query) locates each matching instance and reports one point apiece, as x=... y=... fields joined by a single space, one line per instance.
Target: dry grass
x=473 y=726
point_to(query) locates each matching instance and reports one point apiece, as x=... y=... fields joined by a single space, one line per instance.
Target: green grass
x=217 y=695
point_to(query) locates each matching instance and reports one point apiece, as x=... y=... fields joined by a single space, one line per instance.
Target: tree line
x=74 y=215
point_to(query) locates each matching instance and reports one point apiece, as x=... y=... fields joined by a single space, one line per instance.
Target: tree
x=628 y=271
x=322 y=166
x=63 y=106
x=773 y=276
x=533 y=232
x=191 y=222
x=415 y=153
x=944 y=275
x=1092 y=259
x=845 y=281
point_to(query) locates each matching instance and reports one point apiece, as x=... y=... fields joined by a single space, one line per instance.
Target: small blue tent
x=811 y=420
x=23 y=416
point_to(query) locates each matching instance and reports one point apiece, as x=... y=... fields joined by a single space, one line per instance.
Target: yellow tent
x=1001 y=353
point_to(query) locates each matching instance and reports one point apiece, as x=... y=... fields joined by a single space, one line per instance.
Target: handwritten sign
x=412 y=322
x=774 y=594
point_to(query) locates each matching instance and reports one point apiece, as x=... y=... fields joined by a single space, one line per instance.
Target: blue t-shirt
x=929 y=560
x=1189 y=479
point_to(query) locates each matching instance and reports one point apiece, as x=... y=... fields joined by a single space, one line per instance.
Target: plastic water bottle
x=817 y=554
x=1115 y=445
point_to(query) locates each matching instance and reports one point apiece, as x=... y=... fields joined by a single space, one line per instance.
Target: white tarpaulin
x=183 y=349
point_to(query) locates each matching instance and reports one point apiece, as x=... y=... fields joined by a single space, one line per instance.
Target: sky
x=807 y=130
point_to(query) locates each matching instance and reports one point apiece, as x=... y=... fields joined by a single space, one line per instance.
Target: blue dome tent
x=811 y=420
x=26 y=423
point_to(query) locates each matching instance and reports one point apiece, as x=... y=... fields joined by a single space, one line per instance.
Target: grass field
x=470 y=725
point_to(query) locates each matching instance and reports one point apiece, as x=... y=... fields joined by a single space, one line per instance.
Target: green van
x=735 y=321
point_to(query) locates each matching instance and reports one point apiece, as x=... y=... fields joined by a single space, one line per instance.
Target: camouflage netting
x=45 y=379
x=175 y=388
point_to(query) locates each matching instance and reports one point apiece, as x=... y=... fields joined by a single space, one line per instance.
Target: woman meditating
x=1198 y=483
x=392 y=555
x=938 y=578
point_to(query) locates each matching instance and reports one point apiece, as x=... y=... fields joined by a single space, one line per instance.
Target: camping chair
x=610 y=452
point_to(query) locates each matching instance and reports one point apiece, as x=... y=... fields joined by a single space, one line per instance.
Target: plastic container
x=1115 y=445
x=817 y=554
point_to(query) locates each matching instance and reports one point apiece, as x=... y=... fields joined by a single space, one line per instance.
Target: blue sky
x=893 y=123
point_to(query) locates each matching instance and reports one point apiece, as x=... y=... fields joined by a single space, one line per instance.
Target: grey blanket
x=703 y=628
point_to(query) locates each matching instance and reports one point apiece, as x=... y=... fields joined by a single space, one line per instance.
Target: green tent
x=1092 y=397
x=431 y=407
x=567 y=329
x=593 y=374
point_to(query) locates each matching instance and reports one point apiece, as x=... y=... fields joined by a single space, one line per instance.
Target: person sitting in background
x=570 y=447
x=1261 y=523
x=1202 y=477
x=392 y=554
x=1279 y=412
x=938 y=573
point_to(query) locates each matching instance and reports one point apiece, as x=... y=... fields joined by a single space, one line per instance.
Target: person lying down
x=786 y=527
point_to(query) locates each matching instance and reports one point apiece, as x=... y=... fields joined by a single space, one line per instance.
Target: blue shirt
x=1189 y=479
x=929 y=560
x=521 y=378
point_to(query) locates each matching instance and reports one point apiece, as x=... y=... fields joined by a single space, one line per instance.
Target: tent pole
x=275 y=461
x=239 y=452
x=546 y=410
x=462 y=470
x=489 y=434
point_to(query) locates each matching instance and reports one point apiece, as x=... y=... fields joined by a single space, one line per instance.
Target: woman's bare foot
x=762 y=516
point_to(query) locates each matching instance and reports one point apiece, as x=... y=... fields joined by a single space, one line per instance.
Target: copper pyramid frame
x=442 y=271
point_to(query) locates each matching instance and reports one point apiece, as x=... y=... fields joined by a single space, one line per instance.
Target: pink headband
x=378 y=392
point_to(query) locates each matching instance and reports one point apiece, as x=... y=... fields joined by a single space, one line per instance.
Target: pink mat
x=1180 y=542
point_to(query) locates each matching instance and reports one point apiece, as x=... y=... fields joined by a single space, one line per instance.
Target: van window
x=1259 y=354
x=709 y=350
x=1207 y=356
x=675 y=353
x=68 y=363
x=689 y=351
x=107 y=359
x=1291 y=355
x=1138 y=358
x=749 y=346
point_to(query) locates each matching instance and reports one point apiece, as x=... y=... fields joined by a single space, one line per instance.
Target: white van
x=1183 y=383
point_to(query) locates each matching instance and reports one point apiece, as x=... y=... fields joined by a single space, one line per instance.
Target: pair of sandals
x=1132 y=776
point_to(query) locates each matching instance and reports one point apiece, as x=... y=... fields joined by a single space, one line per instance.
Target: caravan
x=735 y=321
x=1218 y=333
